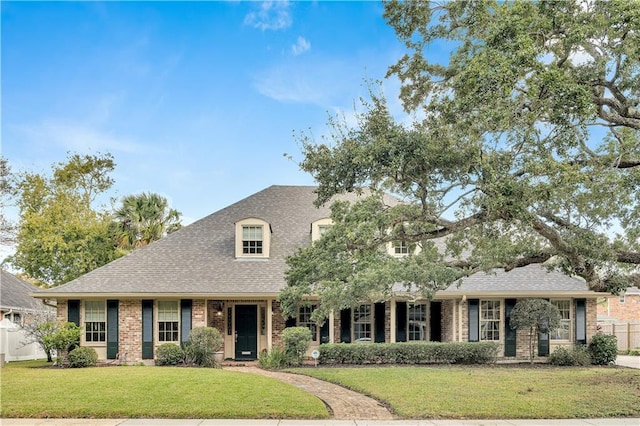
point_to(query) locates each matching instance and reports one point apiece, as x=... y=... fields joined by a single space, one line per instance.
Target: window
x=362 y=319
x=490 y=320
x=252 y=240
x=400 y=248
x=304 y=320
x=417 y=322
x=168 y=314
x=621 y=298
x=320 y=227
x=564 y=331
x=95 y=323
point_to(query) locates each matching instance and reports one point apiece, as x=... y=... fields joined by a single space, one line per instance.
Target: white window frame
x=164 y=316
x=411 y=318
x=304 y=320
x=487 y=316
x=252 y=222
x=566 y=315
x=95 y=321
x=362 y=330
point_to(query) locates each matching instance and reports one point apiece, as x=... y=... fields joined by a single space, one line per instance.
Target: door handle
x=236 y=337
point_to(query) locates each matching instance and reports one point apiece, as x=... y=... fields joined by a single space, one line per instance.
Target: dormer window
x=253 y=237
x=400 y=248
x=320 y=227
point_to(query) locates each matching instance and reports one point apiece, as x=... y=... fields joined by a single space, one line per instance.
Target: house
x=16 y=307
x=622 y=308
x=227 y=270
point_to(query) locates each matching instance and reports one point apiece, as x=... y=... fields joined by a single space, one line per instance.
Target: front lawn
x=150 y=392
x=494 y=392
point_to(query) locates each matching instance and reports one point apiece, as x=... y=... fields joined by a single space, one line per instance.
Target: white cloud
x=301 y=46
x=79 y=138
x=271 y=15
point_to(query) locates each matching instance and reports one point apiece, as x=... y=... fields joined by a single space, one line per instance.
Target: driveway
x=628 y=361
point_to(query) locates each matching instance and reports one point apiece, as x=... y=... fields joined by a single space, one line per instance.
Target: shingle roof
x=528 y=279
x=14 y=294
x=200 y=258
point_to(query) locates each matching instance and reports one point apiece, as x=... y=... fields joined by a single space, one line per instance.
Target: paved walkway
x=343 y=403
x=628 y=361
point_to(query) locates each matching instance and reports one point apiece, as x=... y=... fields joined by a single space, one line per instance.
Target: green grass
x=149 y=392
x=497 y=392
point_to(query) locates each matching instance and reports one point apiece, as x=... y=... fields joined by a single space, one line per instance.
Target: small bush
x=575 y=356
x=169 y=354
x=409 y=353
x=603 y=349
x=275 y=359
x=202 y=345
x=83 y=356
x=296 y=343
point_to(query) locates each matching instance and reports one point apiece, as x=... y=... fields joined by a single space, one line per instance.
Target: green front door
x=246 y=332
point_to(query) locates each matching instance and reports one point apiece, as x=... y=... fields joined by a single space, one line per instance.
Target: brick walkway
x=344 y=403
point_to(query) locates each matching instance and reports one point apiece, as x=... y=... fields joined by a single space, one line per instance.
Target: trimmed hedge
x=83 y=356
x=408 y=353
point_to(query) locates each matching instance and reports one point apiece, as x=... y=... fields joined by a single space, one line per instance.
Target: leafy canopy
x=524 y=148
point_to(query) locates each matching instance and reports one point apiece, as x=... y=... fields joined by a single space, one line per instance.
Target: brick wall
x=198 y=314
x=629 y=310
x=278 y=325
x=447 y=321
x=61 y=310
x=130 y=331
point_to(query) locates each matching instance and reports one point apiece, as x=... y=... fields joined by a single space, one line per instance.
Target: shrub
x=409 y=353
x=83 y=356
x=296 y=343
x=575 y=356
x=274 y=359
x=201 y=346
x=603 y=349
x=169 y=354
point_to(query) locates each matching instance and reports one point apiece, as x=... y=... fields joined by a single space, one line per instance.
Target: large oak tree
x=526 y=151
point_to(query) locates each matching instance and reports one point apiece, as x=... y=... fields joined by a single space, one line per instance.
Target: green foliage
x=296 y=343
x=201 y=346
x=169 y=354
x=61 y=336
x=536 y=316
x=83 y=356
x=409 y=353
x=576 y=356
x=524 y=148
x=274 y=359
x=603 y=349
x=60 y=235
x=143 y=219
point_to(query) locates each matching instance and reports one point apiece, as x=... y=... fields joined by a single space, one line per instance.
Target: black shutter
x=345 y=326
x=435 y=321
x=324 y=332
x=581 y=321
x=185 y=320
x=147 y=329
x=73 y=311
x=401 y=321
x=509 y=333
x=112 y=329
x=378 y=317
x=474 y=319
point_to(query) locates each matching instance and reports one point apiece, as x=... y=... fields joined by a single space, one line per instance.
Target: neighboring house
x=227 y=270
x=622 y=308
x=16 y=307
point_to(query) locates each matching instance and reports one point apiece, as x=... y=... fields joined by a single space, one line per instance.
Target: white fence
x=628 y=333
x=12 y=347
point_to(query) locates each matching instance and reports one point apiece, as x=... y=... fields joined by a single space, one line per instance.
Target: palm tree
x=144 y=218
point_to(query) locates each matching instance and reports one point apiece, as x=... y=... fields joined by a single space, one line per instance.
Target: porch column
x=269 y=324
x=331 y=325
x=392 y=321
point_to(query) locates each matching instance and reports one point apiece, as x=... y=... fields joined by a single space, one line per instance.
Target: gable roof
x=14 y=294
x=199 y=259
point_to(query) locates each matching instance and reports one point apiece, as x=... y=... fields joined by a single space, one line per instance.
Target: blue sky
x=196 y=101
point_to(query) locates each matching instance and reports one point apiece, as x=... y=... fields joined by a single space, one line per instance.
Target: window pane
x=304 y=320
x=490 y=320
x=564 y=331
x=417 y=321
x=362 y=319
